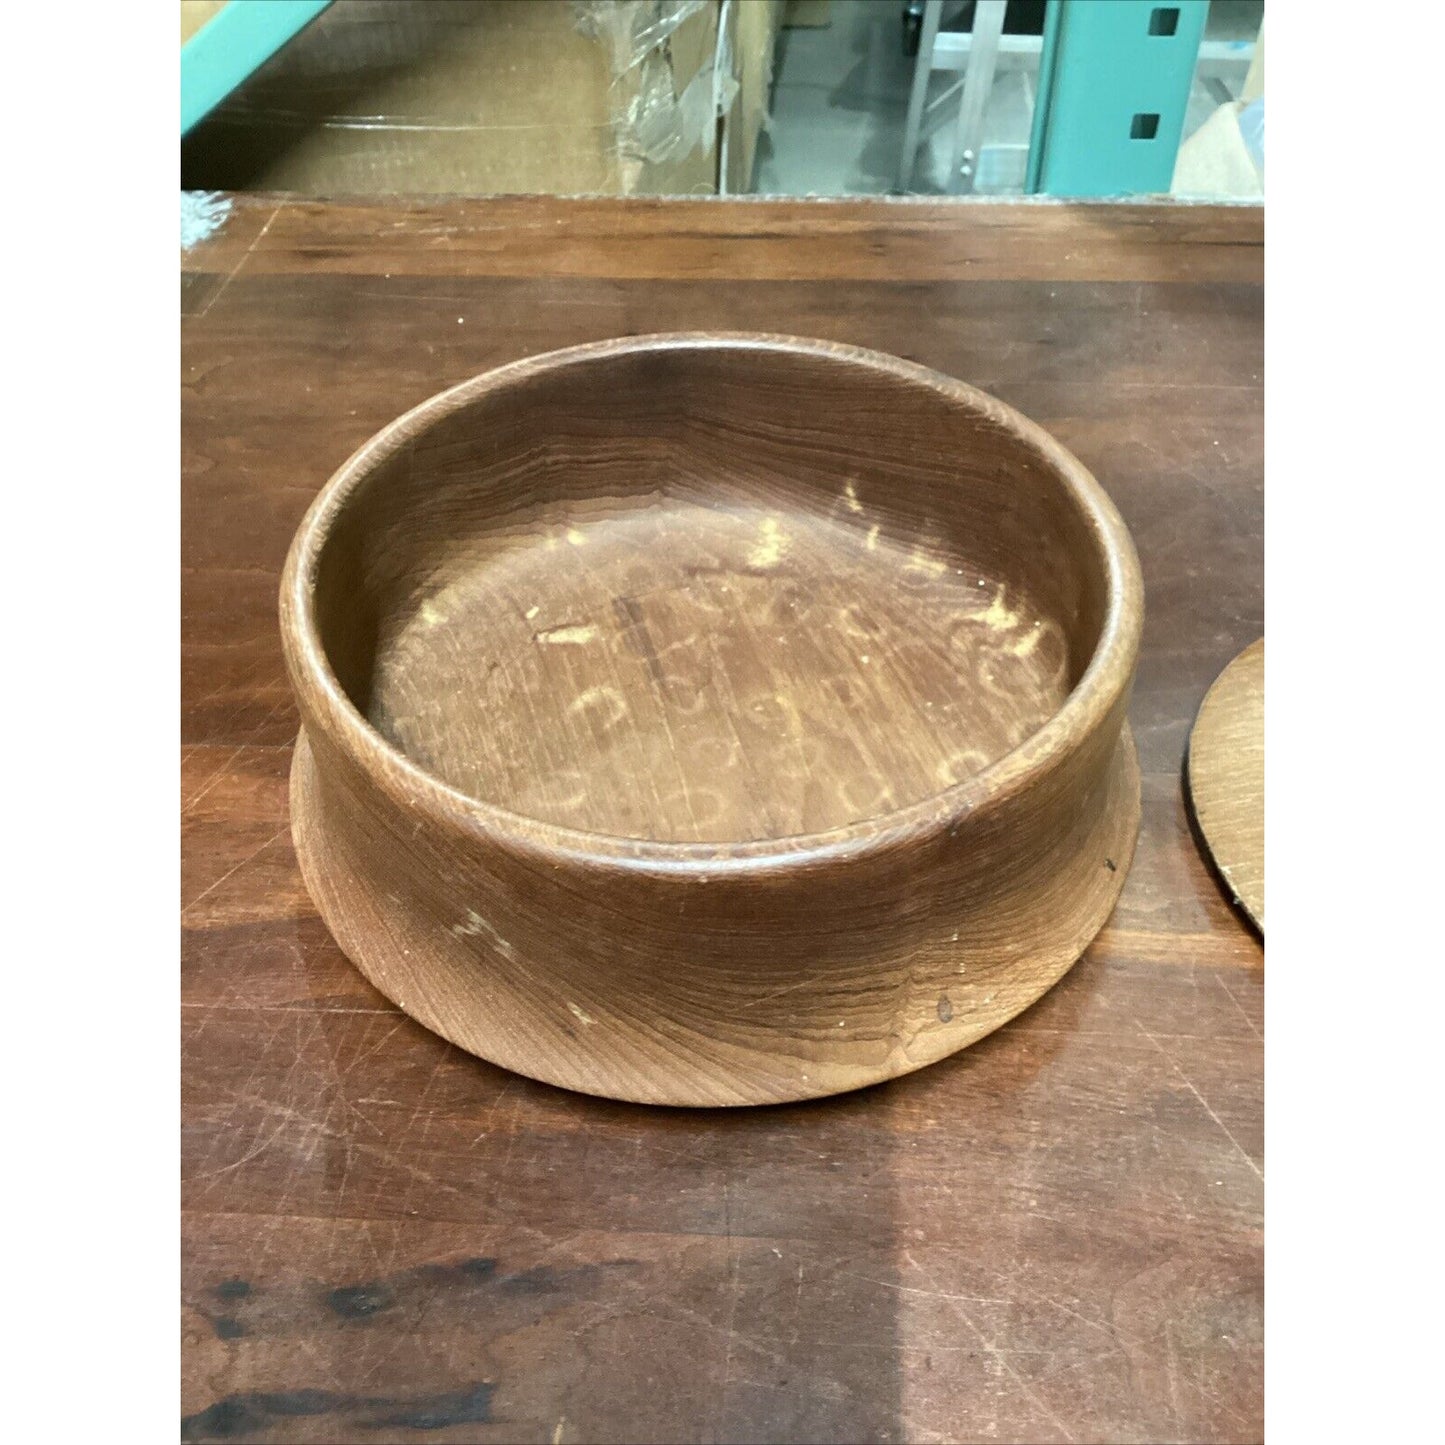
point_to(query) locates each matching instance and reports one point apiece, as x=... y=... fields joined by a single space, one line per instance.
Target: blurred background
x=705 y=97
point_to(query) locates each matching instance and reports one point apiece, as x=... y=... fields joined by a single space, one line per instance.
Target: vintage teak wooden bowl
x=713 y=719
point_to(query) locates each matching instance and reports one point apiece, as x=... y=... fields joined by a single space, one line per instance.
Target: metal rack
x=233 y=43
x=1113 y=85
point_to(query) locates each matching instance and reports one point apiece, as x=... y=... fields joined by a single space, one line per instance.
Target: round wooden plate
x=1226 y=778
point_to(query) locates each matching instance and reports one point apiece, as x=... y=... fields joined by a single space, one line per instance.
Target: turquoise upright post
x=236 y=40
x=1114 y=82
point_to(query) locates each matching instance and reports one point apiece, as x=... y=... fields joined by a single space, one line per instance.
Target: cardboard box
x=754 y=33
x=437 y=97
x=195 y=13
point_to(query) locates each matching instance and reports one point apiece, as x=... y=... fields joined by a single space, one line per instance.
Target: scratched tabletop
x=1055 y=1235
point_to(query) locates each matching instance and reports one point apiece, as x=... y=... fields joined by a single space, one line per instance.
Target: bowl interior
x=710 y=593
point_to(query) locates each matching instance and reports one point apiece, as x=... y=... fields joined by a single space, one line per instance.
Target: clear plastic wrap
x=669 y=111
x=435 y=97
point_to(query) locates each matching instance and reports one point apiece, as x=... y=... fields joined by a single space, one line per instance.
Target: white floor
x=840 y=96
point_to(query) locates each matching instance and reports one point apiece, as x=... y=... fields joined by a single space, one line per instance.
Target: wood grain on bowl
x=710 y=719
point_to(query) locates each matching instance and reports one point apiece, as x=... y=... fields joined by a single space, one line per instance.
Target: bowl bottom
x=689 y=673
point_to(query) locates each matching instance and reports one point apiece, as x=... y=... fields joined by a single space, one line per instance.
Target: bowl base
x=543 y=1017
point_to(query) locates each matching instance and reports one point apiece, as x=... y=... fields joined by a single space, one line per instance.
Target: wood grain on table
x=1056 y=1235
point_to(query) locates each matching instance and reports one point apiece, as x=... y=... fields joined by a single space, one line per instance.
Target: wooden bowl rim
x=1088 y=704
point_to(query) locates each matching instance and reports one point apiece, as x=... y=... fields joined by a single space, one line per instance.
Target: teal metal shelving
x=1114 y=80
x=239 y=38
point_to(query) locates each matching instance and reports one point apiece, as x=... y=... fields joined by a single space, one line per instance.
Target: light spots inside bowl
x=711 y=674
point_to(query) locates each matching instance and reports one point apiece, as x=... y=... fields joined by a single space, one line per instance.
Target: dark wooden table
x=1055 y=1235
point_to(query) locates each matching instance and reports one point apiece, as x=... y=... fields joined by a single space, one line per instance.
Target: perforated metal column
x=1114 y=83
